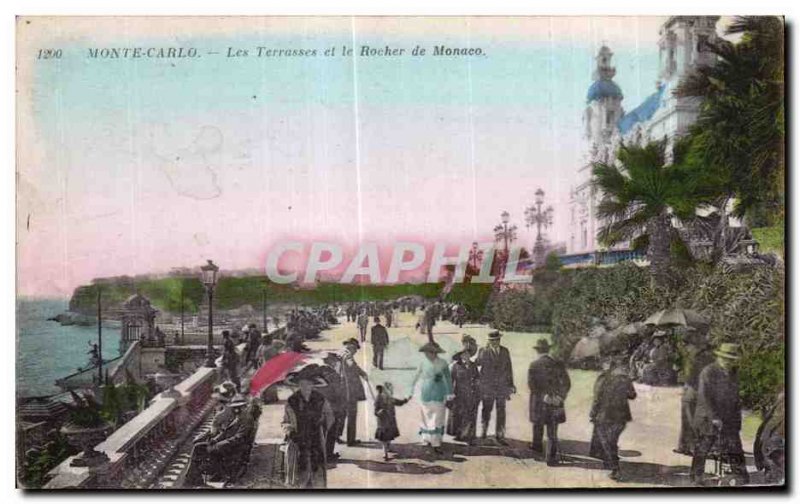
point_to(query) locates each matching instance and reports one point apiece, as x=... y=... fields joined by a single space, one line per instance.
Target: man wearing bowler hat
x=549 y=384
x=496 y=384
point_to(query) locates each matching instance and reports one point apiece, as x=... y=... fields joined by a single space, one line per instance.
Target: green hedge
x=770 y=239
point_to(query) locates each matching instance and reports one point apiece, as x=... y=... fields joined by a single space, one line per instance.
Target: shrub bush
x=744 y=307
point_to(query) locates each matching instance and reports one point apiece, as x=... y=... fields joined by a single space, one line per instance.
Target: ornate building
x=138 y=320
x=682 y=47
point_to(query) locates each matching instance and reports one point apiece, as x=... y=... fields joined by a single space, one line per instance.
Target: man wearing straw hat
x=211 y=454
x=718 y=415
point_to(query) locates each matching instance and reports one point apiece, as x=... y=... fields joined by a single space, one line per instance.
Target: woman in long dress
x=436 y=388
x=466 y=387
x=307 y=419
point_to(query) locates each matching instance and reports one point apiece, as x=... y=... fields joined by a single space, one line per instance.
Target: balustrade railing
x=140 y=449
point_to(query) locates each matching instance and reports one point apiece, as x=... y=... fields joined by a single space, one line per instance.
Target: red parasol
x=274 y=370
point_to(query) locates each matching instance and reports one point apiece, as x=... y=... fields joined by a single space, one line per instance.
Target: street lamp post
x=540 y=217
x=264 y=308
x=475 y=256
x=209 y=273
x=505 y=232
x=99 y=337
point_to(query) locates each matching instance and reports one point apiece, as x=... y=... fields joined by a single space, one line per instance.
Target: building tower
x=603 y=104
x=603 y=112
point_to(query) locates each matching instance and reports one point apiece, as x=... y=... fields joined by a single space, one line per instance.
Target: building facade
x=682 y=48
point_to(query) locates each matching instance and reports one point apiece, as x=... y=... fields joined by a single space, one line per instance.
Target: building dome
x=603 y=89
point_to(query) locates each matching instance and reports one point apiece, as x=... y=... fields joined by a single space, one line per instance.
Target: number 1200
x=48 y=54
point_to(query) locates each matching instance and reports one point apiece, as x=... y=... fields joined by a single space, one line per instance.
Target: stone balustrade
x=140 y=449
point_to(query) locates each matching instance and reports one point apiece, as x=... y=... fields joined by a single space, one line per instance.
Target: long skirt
x=686 y=438
x=431 y=429
x=303 y=469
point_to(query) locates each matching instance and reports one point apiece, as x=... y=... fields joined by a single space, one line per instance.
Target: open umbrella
x=585 y=348
x=274 y=370
x=676 y=317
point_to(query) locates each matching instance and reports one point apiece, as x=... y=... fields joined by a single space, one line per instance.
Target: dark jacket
x=771 y=434
x=379 y=336
x=309 y=417
x=547 y=376
x=612 y=391
x=496 y=377
x=352 y=374
x=718 y=398
x=693 y=361
x=387 y=420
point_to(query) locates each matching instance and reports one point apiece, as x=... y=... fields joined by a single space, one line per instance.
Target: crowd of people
x=474 y=386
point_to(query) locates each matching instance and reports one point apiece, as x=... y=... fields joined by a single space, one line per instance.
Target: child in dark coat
x=387 y=421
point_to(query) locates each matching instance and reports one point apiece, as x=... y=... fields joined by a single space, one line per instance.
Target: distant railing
x=601 y=258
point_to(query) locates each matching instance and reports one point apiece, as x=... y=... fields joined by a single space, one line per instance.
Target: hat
x=352 y=341
x=377 y=320
x=457 y=355
x=238 y=401
x=542 y=345
x=331 y=357
x=495 y=335
x=728 y=351
x=466 y=338
x=431 y=347
x=311 y=372
x=225 y=391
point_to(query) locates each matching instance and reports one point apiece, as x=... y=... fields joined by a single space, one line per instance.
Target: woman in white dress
x=436 y=388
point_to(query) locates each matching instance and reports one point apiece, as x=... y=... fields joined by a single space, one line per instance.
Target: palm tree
x=640 y=195
x=738 y=139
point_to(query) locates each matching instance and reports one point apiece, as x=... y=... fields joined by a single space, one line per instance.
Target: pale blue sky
x=130 y=166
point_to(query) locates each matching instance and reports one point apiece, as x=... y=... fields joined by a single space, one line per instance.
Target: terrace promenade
x=646 y=445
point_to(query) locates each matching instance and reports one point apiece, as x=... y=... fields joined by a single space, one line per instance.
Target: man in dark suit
x=549 y=384
x=379 y=338
x=362 y=321
x=611 y=412
x=718 y=415
x=352 y=375
x=496 y=384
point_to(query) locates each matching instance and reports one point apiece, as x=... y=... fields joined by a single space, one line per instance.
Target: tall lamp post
x=209 y=273
x=475 y=256
x=505 y=233
x=99 y=337
x=540 y=217
x=264 y=307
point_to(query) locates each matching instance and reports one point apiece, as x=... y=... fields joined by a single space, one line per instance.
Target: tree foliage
x=737 y=145
x=641 y=194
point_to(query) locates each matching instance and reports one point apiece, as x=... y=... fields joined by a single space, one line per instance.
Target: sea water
x=46 y=350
